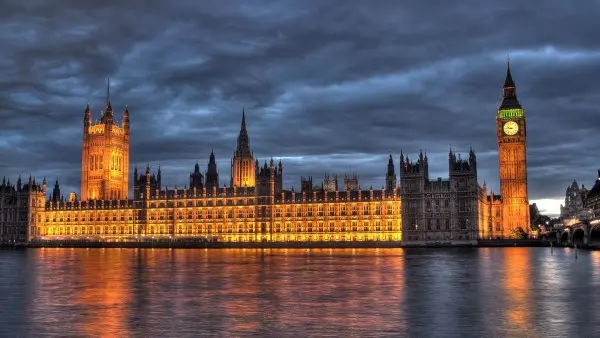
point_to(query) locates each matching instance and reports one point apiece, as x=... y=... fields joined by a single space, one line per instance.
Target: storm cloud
x=328 y=86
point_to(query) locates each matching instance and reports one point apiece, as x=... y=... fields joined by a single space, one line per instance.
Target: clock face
x=511 y=128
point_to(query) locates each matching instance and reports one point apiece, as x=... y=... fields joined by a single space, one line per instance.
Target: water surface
x=485 y=292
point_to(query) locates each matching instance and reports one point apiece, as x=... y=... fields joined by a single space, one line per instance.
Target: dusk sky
x=328 y=86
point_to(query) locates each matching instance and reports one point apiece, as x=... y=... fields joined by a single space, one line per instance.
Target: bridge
x=585 y=233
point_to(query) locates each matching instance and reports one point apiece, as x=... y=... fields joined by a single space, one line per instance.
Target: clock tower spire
x=512 y=152
x=509 y=92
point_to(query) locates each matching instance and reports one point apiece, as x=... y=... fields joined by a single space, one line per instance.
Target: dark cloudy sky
x=329 y=86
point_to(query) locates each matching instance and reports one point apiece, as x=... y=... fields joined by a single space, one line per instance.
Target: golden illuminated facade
x=232 y=214
x=105 y=156
x=242 y=164
x=512 y=153
x=251 y=209
x=509 y=210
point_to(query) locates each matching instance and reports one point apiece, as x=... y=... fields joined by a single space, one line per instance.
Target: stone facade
x=439 y=210
x=21 y=206
x=574 y=207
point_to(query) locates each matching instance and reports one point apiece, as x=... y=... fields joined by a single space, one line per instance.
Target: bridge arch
x=595 y=235
x=579 y=237
x=564 y=238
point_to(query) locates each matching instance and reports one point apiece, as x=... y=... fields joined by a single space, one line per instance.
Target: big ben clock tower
x=512 y=152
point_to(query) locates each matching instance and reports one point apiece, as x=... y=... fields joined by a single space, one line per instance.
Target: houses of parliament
x=256 y=207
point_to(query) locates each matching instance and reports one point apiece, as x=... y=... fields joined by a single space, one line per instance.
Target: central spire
x=243 y=119
x=243 y=143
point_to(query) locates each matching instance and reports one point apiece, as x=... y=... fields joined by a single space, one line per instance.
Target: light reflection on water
x=487 y=292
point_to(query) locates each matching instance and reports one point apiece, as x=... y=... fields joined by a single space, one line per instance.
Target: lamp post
x=417 y=228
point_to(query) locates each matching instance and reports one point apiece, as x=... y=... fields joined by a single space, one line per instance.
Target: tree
x=536 y=218
x=517 y=233
x=534 y=213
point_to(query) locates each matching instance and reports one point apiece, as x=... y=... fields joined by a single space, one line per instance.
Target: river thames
x=485 y=292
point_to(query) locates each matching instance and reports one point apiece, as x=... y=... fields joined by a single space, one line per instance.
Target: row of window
x=123 y=230
x=246 y=213
x=250 y=201
x=440 y=237
x=436 y=224
x=14 y=216
x=180 y=216
x=92 y=218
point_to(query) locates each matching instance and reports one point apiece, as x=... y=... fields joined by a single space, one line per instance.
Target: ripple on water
x=488 y=292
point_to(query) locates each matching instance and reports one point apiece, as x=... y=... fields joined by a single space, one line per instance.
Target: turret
x=196 y=178
x=279 y=177
x=330 y=183
x=126 y=122
x=390 y=177
x=212 y=174
x=56 y=192
x=87 y=119
x=462 y=166
x=426 y=165
x=306 y=184
x=472 y=159
x=414 y=169
x=351 y=182
x=423 y=164
x=159 y=179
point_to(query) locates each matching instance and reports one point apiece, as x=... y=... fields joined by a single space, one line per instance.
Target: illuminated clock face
x=510 y=128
